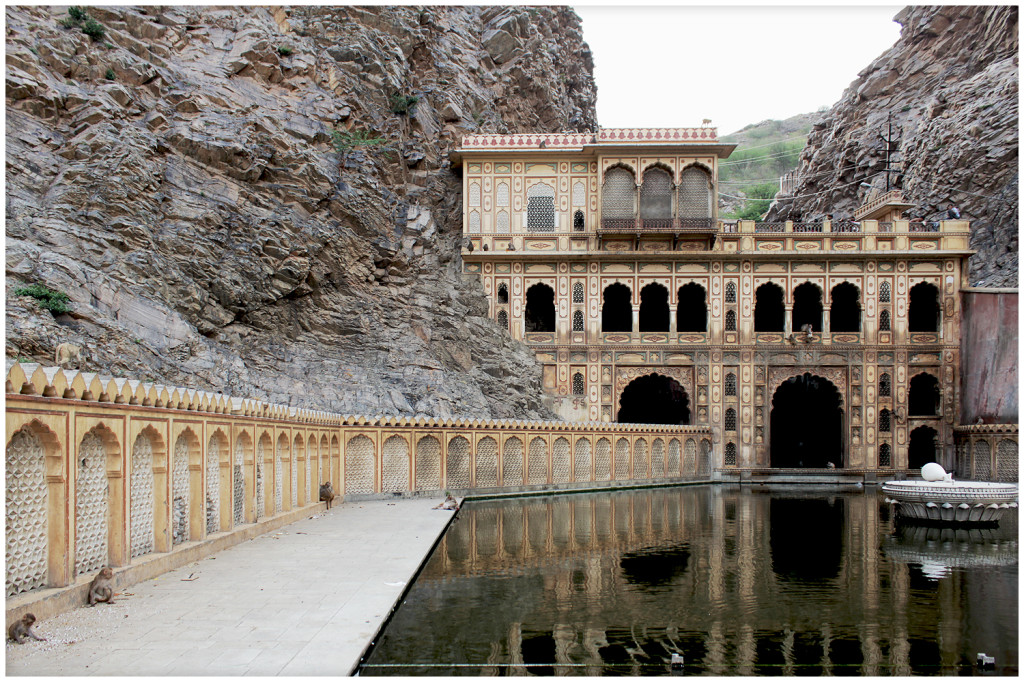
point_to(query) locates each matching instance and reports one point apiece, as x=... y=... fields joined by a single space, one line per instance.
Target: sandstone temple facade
x=800 y=345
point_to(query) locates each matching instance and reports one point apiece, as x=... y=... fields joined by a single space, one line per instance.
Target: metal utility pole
x=891 y=149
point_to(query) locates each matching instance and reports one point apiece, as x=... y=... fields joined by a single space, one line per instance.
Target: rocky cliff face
x=179 y=180
x=950 y=83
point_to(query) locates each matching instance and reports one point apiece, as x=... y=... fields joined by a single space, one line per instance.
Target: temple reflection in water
x=740 y=581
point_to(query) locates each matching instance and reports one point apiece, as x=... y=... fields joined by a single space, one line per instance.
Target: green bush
x=403 y=104
x=346 y=140
x=284 y=50
x=94 y=29
x=68 y=22
x=54 y=301
x=110 y=74
x=78 y=13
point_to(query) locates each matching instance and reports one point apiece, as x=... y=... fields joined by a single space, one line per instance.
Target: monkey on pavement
x=327 y=493
x=22 y=628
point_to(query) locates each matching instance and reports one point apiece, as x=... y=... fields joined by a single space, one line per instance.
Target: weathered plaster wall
x=989 y=338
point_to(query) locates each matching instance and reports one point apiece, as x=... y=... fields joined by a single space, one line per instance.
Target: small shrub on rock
x=78 y=13
x=110 y=75
x=94 y=29
x=54 y=301
x=403 y=104
x=284 y=50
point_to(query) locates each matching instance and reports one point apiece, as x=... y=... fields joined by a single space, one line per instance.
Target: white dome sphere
x=933 y=471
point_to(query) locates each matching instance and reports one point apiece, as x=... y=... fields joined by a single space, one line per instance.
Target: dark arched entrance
x=617 y=311
x=654 y=399
x=653 y=308
x=807 y=307
x=806 y=423
x=540 y=309
x=922 y=447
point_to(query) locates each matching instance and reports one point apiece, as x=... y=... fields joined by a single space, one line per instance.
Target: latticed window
x=502 y=293
x=540 y=209
x=501 y=223
x=618 y=198
x=884 y=322
x=730 y=419
x=579 y=223
x=503 y=319
x=730 y=292
x=577 y=292
x=474 y=223
x=730 y=384
x=579 y=194
x=884 y=385
x=884 y=455
x=656 y=194
x=885 y=421
x=730 y=454
x=501 y=195
x=577 y=321
x=578 y=385
x=474 y=194
x=884 y=292
x=730 y=321
x=694 y=194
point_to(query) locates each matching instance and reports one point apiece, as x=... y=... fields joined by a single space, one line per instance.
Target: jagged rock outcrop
x=950 y=83
x=179 y=179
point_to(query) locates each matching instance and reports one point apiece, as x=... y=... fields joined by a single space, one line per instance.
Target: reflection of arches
x=653 y=308
x=923 y=312
x=806 y=423
x=922 y=447
x=821 y=519
x=769 y=312
x=844 y=314
x=540 y=309
x=654 y=399
x=428 y=463
x=923 y=399
x=617 y=311
x=807 y=308
x=692 y=310
x=512 y=462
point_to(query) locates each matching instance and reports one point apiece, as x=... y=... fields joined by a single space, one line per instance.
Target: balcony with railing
x=657 y=225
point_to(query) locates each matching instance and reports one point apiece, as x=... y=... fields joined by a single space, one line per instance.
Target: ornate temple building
x=801 y=345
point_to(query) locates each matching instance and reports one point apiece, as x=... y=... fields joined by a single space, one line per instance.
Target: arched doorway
x=692 y=311
x=806 y=423
x=807 y=307
x=654 y=399
x=617 y=311
x=923 y=311
x=769 y=311
x=653 y=308
x=922 y=447
x=540 y=309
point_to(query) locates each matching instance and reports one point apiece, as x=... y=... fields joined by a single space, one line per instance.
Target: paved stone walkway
x=302 y=600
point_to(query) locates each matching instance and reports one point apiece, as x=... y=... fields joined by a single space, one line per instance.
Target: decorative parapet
x=32 y=379
x=563 y=141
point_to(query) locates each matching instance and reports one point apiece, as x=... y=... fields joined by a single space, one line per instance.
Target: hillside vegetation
x=749 y=179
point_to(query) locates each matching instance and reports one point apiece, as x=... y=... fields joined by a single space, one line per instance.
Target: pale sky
x=666 y=67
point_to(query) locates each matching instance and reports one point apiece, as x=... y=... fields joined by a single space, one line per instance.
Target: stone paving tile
x=306 y=599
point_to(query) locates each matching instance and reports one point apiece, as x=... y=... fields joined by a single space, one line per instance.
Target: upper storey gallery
x=645 y=190
x=614 y=182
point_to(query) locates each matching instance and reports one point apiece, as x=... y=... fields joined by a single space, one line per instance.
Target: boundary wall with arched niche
x=105 y=471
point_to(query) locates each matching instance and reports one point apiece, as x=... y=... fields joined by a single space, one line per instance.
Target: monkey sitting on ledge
x=102 y=588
